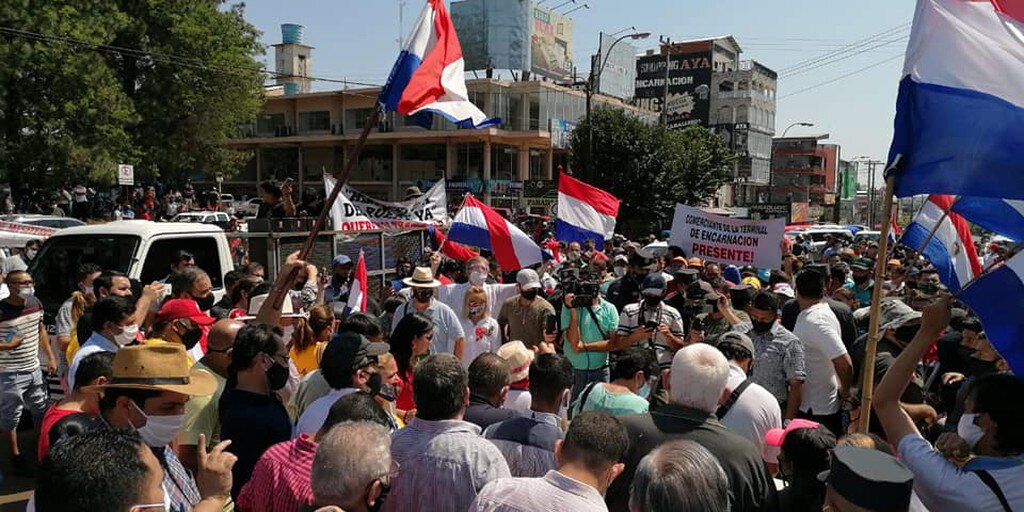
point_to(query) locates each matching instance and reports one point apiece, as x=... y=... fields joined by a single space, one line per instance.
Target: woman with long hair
x=482 y=331
x=409 y=342
x=310 y=337
x=806 y=452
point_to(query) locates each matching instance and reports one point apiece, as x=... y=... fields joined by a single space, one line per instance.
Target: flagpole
x=868 y=368
x=280 y=291
x=935 y=228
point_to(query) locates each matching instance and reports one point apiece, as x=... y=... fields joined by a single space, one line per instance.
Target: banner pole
x=277 y=295
x=868 y=367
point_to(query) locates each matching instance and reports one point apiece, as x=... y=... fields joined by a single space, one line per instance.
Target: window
x=469 y=162
x=504 y=162
x=422 y=161
x=318 y=121
x=54 y=281
x=204 y=248
x=355 y=118
x=376 y=163
x=267 y=124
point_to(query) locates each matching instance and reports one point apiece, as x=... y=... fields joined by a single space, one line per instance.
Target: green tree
x=87 y=84
x=649 y=167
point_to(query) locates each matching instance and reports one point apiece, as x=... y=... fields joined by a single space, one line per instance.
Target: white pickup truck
x=140 y=249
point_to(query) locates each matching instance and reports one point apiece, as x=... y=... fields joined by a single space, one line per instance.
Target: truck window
x=204 y=248
x=55 y=268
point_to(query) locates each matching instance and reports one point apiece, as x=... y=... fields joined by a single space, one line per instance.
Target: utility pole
x=667 y=48
x=872 y=193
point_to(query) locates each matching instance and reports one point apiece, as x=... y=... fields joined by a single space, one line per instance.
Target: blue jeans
x=580 y=379
x=20 y=389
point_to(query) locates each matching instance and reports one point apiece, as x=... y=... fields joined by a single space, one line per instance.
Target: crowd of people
x=609 y=378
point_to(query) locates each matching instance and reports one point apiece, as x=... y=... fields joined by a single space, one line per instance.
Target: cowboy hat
x=160 y=367
x=422 y=277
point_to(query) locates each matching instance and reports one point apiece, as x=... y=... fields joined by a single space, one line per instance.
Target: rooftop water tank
x=291 y=33
x=291 y=88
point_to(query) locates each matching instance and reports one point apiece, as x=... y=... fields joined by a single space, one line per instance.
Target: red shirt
x=52 y=415
x=280 y=481
x=405 y=401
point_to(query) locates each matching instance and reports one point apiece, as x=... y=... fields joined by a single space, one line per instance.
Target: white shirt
x=481 y=337
x=755 y=412
x=316 y=414
x=95 y=343
x=454 y=296
x=940 y=485
x=517 y=400
x=818 y=329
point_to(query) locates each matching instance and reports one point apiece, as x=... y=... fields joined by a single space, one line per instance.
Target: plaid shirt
x=280 y=481
x=779 y=358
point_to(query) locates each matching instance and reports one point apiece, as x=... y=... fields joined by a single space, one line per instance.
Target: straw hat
x=518 y=357
x=255 y=303
x=422 y=277
x=161 y=367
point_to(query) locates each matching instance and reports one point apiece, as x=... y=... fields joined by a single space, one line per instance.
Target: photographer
x=651 y=322
x=585 y=322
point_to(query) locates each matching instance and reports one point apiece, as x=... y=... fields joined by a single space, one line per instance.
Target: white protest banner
x=732 y=241
x=356 y=211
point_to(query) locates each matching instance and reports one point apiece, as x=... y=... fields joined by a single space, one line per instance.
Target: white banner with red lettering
x=356 y=211
x=726 y=240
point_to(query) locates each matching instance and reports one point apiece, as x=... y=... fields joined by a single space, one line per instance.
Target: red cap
x=776 y=436
x=175 y=309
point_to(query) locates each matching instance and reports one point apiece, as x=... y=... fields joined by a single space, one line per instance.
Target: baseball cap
x=701 y=290
x=679 y=260
x=341 y=259
x=654 y=284
x=350 y=351
x=895 y=262
x=528 y=279
x=776 y=436
x=863 y=264
x=737 y=339
x=695 y=262
x=175 y=309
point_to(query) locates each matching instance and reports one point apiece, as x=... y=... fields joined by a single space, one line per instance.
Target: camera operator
x=585 y=322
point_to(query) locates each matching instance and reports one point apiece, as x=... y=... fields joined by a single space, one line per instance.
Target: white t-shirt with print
x=481 y=337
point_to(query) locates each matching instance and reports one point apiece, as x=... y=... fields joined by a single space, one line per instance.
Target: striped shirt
x=553 y=491
x=280 y=482
x=21 y=322
x=636 y=316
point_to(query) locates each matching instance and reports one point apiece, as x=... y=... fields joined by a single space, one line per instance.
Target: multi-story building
x=301 y=136
x=804 y=171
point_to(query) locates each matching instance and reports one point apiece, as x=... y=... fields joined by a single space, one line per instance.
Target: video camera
x=584 y=282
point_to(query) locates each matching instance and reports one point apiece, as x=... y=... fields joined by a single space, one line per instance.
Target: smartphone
x=551 y=324
x=651 y=325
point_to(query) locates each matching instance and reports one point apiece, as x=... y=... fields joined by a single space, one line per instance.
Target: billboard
x=561 y=133
x=689 y=86
x=550 y=43
x=493 y=34
x=618 y=76
x=770 y=211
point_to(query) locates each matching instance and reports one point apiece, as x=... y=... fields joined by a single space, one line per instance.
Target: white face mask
x=158 y=430
x=619 y=271
x=30 y=254
x=127 y=334
x=477 y=277
x=968 y=431
x=27 y=292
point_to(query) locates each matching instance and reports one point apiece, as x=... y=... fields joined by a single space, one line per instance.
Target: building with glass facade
x=301 y=136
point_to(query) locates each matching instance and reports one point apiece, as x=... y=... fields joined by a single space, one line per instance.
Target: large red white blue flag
x=945 y=240
x=428 y=77
x=961 y=104
x=585 y=212
x=478 y=225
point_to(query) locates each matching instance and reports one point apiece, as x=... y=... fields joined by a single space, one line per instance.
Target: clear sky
x=357 y=40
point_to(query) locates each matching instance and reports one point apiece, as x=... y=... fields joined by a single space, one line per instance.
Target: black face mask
x=529 y=294
x=277 y=376
x=423 y=295
x=762 y=327
x=205 y=303
x=907 y=332
x=191 y=337
x=652 y=302
x=860 y=279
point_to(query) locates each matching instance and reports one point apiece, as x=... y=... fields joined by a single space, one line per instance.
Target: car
x=227 y=203
x=248 y=208
x=867 y=236
x=220 y=219
x=46 y=221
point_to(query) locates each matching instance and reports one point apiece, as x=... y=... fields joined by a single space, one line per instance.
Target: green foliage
x=650 y=168
x=69 y=111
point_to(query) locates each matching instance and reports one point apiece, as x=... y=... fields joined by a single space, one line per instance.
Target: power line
x=840 y=77
x=840 y=58
x=850 y=47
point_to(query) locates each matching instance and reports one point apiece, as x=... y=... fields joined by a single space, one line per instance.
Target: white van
x=140 y=249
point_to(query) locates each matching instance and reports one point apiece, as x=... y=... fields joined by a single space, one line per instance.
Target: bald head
x=222 y=334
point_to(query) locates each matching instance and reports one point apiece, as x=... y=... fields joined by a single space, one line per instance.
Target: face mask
x=476 y=310
x=652 y=301
x=277 y=376
x=529 y=294
x=968 y=431
x=127 y=334
x=860 y=279
x=477 y=277
x=644 y=391
x=205 y=303
x=287 y=332
x=573 y=255
x=619 y=271
x=191 y=337
x=27 y=292
x=762 y=327
x=158 y=430
x=31 y=254
x=423 y=295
